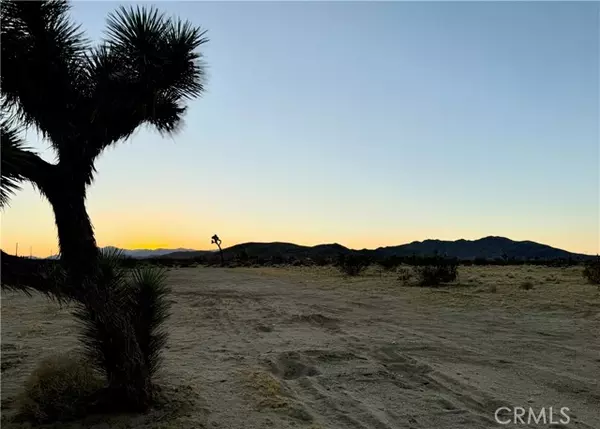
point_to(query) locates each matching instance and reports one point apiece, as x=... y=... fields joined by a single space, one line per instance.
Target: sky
x=366 y=124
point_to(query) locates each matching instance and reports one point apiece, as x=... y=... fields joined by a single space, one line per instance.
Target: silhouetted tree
x=83 y=99
x=216 y=240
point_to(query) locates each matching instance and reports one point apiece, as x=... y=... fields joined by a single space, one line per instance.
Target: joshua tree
x=216 y=240
x=84 y=98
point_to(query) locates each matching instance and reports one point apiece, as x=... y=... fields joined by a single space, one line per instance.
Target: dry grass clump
x=61 y=388
x=268 y=389
x=269 y=393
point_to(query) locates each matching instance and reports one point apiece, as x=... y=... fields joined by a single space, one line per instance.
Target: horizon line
x=187 y=249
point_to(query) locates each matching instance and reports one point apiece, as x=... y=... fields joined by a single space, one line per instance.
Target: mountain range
x=487 y=248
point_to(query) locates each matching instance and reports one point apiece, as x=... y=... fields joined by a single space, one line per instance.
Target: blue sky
x=366 y=124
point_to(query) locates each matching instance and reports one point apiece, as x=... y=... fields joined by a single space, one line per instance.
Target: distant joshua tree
x=216 y=240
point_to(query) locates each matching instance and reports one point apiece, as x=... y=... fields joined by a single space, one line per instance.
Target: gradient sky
x=367 y=124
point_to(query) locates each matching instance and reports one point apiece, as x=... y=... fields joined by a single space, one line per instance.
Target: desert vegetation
x=591 y=272
x=83 y=99
x=352 y=264
x=441 y=271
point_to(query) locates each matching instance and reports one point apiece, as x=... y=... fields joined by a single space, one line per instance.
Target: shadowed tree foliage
x=83 y=98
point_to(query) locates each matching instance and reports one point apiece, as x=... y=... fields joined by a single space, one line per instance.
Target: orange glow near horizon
x=29 y=221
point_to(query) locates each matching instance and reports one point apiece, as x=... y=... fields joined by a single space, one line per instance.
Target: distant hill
x=148 y=253
x=184 y=254
x=487 y=248
x=268 y=250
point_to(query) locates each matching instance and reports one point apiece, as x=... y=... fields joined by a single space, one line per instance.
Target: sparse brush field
x=309 y=348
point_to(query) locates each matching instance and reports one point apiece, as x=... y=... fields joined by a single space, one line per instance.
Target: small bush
x=60 y=389
x=591 y=272
x=322 y=261
x=526 y=285
x=404 y=274
x=352 y=264
x=443 y=271
x=390 y=263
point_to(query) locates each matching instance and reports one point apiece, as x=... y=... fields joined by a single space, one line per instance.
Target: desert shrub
x=404 y=274
x=390 y=263
x=526 y=285
x=278 y=260
x=352 y=264
x=442 y=271
x=261 y=261
x=308 y=262
x=199 y=259
x=321 y=261
x=591 y=271
x=61 y=388
x=213 y=262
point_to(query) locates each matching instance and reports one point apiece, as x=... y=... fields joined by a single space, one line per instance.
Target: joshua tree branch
x=37 y=171
x=20 y=164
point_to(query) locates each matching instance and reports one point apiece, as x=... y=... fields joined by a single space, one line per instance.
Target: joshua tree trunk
x=221 y=255
x=79 y=252
x=216 y=240
x=80 y=257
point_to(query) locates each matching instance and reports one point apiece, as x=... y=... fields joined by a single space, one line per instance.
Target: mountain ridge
x=490 y=247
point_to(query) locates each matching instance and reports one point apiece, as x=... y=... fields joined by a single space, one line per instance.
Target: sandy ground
x=307 y=348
